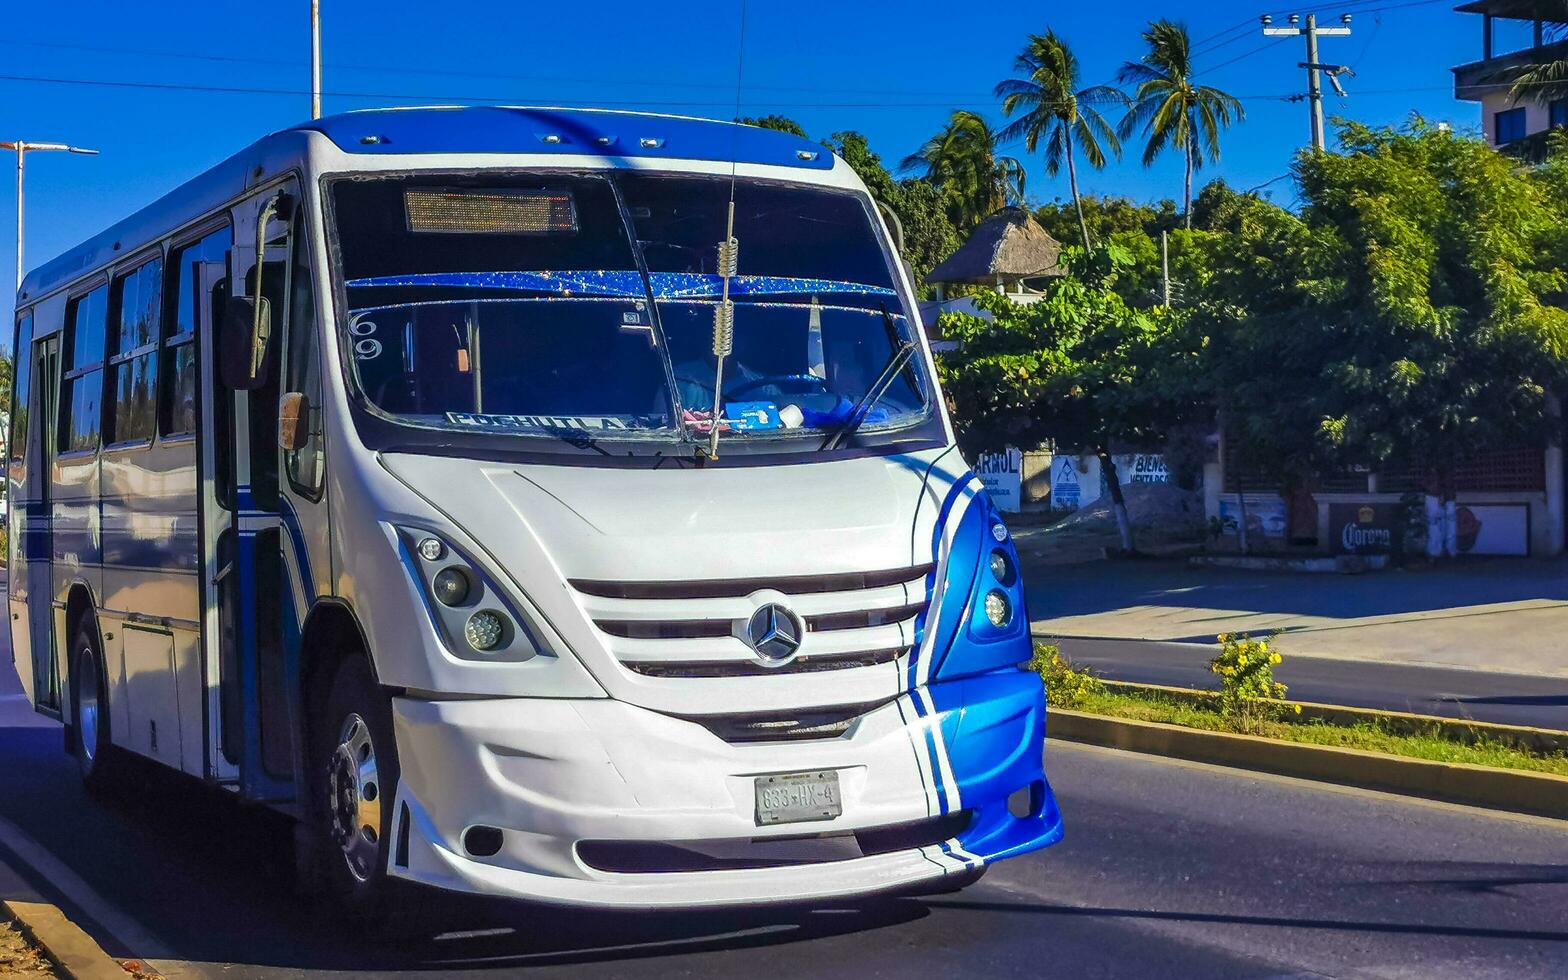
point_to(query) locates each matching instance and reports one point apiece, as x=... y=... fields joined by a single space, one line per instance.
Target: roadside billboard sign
x=1494 y=529
x=1003 y=473
x=1065 y=491
x=1149 y=468
x=1366 y=529
x=1265 y=515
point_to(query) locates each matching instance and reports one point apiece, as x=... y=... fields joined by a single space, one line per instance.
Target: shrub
x=1067 y=685
x=1246 y=670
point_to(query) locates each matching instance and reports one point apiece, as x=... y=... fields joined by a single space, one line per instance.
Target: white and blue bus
x=543 y=503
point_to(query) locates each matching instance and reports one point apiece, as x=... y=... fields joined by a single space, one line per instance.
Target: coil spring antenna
x=728 y=267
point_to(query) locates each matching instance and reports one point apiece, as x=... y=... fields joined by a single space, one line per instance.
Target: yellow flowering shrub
x=1066 y=684
x=1246 y=670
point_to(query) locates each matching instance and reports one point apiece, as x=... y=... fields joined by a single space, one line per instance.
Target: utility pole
x=1165 y=265
x=22 y=148
x=1314 y=68
x=315 y=59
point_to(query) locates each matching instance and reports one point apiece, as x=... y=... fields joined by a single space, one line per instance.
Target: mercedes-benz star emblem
x=774 y=632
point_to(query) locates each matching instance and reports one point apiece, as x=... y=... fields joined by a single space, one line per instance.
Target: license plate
x=798 y=797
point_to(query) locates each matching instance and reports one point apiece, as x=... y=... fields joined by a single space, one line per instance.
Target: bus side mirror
x=293 y=422
x=895 y=227
x=247 y=327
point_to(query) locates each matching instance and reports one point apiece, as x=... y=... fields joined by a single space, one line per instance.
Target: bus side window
x=200 y=272
x=81 y=399
x=21 y=385
x=133 y=365
x=305 y=470
x=22 y=368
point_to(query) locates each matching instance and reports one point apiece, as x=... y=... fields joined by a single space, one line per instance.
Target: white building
x=1514 y=35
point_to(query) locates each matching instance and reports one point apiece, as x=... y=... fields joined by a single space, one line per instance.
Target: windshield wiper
x=868 y=401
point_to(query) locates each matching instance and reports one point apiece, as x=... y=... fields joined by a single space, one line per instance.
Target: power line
x=1355 y=6
x=249 y=90
x=1205 y=46
x=1315 y=69
x=1242 y=57
x=460 y=73
x=1377 y=25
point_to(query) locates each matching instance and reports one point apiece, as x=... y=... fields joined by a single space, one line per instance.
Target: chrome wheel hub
x=87 y=703
x=354 y=797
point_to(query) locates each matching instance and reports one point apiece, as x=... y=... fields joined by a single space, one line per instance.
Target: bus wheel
x=95 y=754
x=355 y=771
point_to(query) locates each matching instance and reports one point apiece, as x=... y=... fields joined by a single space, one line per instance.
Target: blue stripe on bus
x=301 y=552
x=953 y=493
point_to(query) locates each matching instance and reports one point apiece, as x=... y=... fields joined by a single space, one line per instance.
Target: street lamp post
x=22 y=148
x=315 y=59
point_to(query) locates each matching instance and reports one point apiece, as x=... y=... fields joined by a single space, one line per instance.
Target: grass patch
x=1369 y=736
x=1245 y=667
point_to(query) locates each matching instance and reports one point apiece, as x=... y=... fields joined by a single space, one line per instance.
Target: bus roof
x=595 y=132
x=445 y=130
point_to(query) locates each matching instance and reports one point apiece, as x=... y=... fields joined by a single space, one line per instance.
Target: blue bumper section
x=994 y=729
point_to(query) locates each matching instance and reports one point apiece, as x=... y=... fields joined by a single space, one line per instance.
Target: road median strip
x=1518 y=790
x=1459 y=730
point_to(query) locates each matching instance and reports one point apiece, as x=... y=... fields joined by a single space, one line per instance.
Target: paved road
x=1509 y=699
x=1168 y=869
x=1507 y=615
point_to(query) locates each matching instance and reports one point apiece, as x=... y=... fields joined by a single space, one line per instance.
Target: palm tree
x=962 y=160
x=1054 y=109
x=1547 y=81
x=1171 y=109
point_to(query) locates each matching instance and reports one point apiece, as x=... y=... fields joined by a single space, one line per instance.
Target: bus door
x=38 y=540
x=249 y=578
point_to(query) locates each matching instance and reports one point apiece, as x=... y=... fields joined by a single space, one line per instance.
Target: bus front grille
x=731 y=668
x=698 y=629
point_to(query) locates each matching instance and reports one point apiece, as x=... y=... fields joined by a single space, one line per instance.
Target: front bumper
x=553 y=773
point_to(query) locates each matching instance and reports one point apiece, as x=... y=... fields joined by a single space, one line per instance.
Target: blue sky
x=891 y=71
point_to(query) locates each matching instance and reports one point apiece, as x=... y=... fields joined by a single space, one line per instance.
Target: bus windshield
x=530 y=305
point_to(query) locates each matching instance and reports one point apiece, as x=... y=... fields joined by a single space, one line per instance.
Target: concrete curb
x=1334 y=564
x=1541 y=794
x=1457 y=729
x=72 y=951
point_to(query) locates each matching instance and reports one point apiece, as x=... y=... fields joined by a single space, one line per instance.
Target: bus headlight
x=983 y=625
x=485 y=630
x=997 y=609
x=472 y=612
x=450 y=586
x=1001 y=567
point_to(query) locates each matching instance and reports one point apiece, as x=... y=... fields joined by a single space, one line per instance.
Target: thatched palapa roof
x=1009 y=245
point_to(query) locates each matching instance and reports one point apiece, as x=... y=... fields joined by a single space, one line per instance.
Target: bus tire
x=96 y=756
x=354 y=772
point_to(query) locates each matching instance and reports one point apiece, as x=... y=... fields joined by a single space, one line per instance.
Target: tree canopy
x=1170 y=108
x=783 y=124
x=1407 y=316
x=962 y=161
x=1052 y=107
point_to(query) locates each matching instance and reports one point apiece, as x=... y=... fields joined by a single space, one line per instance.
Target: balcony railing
x=1480 y=78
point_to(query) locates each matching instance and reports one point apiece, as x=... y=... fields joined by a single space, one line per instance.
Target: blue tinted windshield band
x=686 y=285
x=623 y=283
x=627 y=284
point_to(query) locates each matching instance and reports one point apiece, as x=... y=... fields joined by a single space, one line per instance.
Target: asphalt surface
x=1509 y=699
x=1168 y=869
